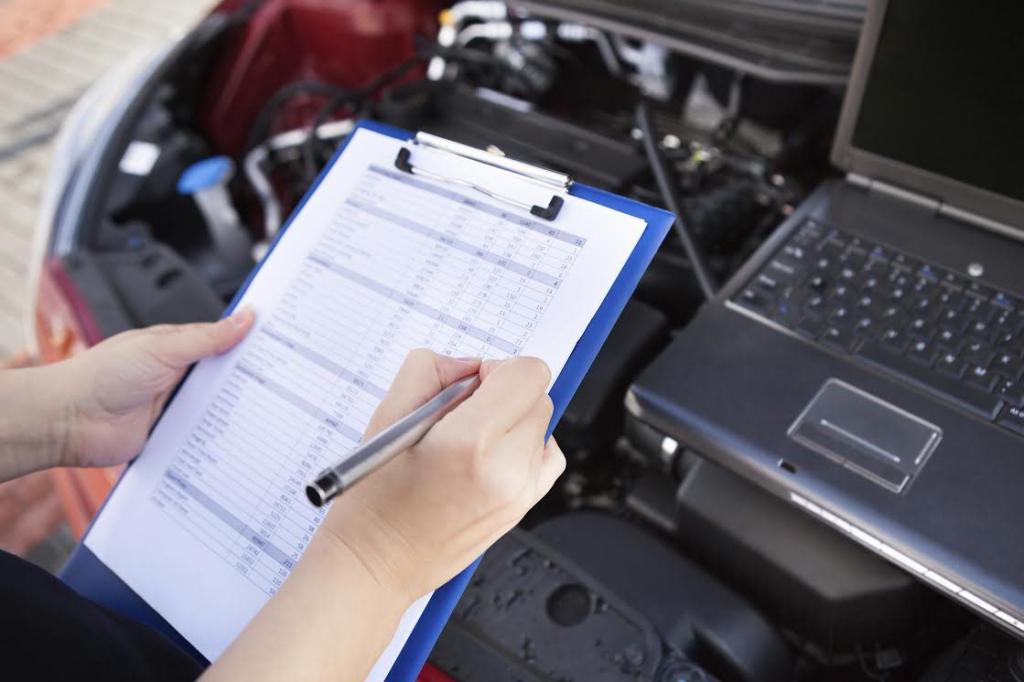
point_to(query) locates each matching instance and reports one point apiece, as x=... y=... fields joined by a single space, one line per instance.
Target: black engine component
x=640 y=611
x=694 y=613
x=461 y=114
x=830 y=592
x=985 y=655
x=137 y=288
x=721 y=216
x=144 y=206
x=531 y=614
x=594 y=417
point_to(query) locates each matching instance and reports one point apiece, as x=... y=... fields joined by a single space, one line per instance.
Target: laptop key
x=1011 y=392
x=1007 y=364
x=785 y=313
x=814 y=306
x=920 y=327
x=953 y=281
x=818 y=283
x=795 y=252
x=980 y=329
x=840 y=315
x=869 y=283
x=755 y=300
x=981 y=377
x=923 y=352
x=866 y=327
x=978 y=352
x=1001 y=300
x=948 y=338
x=895 y=339
x=855 y=258
x=979 y=309
x=951 y=364
x=1005 y=339
x=891 y=312
x=922 y=305
x=979 y=291
x=902 y=260
x=866 y=301
x=967 y=396
x=839 y=338
x=949 y=299
x=781 y=269
x=954 y=319
x=1012 y=417
x=811 y=327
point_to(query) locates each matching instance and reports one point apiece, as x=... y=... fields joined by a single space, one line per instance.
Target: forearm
x=330 y=621
x=34 y=416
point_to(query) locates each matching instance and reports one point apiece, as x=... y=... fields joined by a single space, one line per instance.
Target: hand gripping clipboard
x=89 y=576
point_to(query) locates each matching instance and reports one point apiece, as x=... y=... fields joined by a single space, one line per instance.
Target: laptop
x=866 y=363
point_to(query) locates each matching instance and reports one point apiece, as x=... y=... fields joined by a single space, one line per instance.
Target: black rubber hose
x=358 y=97
x=354 y=98
x=260 y=128
x=667 y=186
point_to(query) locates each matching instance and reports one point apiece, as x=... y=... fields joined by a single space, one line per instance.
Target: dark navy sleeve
x=49 y=632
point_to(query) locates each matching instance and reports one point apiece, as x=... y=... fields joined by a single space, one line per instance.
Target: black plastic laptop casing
x=731 y=386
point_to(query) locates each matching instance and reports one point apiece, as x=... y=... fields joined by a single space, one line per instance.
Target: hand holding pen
x=413 y=523
x=470 y=478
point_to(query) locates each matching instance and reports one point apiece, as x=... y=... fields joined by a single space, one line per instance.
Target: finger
x=505 y=395
x=422 y=375
x=527 y=435
x=488 y=366
x=180 y=345
x=526 y=439
x=552 y=465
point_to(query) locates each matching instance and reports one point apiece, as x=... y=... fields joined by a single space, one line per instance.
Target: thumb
x=180 y=345
x=422 y=376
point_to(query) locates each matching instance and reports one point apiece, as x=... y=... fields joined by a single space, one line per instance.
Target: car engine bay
x=647 y=561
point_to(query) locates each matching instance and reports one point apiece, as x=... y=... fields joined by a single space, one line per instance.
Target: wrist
x=330 y=594
x=351 y=564
x=35 y=421
x=58 y=405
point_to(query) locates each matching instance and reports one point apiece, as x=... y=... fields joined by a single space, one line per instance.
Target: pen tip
x=315 y=495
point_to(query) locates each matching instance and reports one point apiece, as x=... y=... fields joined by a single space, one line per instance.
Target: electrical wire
x=357 y=97
x=260 y=128
x=667 y=186
x=354 y=97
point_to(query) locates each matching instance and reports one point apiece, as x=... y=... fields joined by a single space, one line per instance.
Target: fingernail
x=490 y=364
x=239 y=318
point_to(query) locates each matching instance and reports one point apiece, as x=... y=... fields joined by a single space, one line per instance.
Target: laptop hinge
x=935 y=205
x=895 y=192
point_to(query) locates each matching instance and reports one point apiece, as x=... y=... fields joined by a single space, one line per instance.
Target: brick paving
x=24 y=22
x=50 y=51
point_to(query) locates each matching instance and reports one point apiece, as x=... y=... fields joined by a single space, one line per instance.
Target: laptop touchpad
x=866 y=434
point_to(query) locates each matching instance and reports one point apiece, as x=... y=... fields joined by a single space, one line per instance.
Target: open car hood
x=779 y=41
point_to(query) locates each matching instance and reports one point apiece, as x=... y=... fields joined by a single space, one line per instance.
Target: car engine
x=647 y=561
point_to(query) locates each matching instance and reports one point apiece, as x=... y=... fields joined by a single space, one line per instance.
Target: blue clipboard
x=90 y=577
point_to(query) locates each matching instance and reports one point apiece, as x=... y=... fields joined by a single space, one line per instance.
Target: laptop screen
x=945 y=92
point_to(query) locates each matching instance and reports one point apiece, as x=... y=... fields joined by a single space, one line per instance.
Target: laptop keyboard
x=936 y=328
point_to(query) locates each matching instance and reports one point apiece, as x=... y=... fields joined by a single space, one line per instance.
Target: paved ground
x=50 y=51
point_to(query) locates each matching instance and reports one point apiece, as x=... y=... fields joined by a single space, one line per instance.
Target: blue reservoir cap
x=205 y=174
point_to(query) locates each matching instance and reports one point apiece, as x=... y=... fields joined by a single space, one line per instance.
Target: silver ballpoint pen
x=400 y=436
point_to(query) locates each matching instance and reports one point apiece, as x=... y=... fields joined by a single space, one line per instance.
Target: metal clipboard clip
x=559 y=183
